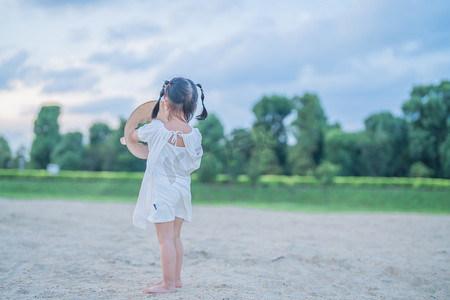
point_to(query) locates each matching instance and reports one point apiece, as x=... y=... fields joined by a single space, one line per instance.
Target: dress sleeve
x=147 y=132
x=193 y=145
x=197 y=160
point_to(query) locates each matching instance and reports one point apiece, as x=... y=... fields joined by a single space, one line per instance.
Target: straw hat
x=142 y=114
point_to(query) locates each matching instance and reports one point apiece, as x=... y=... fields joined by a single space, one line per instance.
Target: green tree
x=309 y=130
x=389 y=136
x=94 y=156
x=5 y=154
x=326 y=171
x=208 y=170
x=117 y=157
x=46 y=129
x=270 y=113
x=68 y=153
x=212 y=134
x=444 y=153
x=375 y=151
x=99 y=134
x=20 y=159
x=238 y=148
x=213 y=143
x=419 y=169
x=428 y=111
x=342 y=149
x=263 y=159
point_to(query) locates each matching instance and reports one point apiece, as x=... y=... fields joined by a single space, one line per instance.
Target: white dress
x=166 y=187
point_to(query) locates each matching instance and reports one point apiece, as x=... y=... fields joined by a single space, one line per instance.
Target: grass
x=293 y=198
x=272 y=180
x=326 y=199
x=71 y=189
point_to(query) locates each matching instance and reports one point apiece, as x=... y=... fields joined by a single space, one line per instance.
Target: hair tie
x=202 y=94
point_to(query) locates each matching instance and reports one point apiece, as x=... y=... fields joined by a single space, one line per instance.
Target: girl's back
x=176 y=127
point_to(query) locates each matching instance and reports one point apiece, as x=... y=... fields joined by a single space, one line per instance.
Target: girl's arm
x=146 y=131
x=134 y=136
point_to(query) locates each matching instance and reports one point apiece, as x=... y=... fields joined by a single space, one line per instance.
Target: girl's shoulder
x=174 y=127
x=187 y=131
x=149 y=129
x=155 y=124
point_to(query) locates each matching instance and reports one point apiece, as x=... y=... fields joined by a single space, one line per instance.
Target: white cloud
x=360 y=57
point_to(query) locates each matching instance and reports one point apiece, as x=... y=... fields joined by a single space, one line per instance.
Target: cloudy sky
x=99 y=59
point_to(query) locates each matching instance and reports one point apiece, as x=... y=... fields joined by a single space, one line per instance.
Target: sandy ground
x=85 y=250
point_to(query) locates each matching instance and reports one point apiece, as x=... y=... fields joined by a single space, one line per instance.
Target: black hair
x=182 y=92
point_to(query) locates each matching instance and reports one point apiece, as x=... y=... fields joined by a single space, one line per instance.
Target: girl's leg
x=166 y=232
x=179 y=250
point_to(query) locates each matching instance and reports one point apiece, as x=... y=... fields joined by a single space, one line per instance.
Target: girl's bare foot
x=178 y=283
x=159 y=289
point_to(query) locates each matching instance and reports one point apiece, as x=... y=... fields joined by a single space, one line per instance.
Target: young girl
x=175 y=151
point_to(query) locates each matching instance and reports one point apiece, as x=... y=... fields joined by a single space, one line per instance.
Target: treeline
x=416 y=144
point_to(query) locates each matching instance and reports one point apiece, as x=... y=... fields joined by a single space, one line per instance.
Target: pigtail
x=204 y=113
x=161 y=94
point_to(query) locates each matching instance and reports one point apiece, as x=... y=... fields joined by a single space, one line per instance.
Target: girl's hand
x=134 y=136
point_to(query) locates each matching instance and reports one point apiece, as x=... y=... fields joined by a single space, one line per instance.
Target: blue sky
x=101 y=59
